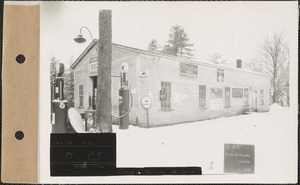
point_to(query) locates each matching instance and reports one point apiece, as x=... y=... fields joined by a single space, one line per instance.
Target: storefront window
x=246 y=95
x=227 y=96
x=262 y=97
x=202 y=96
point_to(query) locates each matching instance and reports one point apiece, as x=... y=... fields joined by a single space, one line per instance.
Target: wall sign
x=216 y=104
x=216 y=98
x=237 y=93
x=162 y=95
x=146 y=102
x=239 y=158
x=144 y=74
x=188 y=70
x=220 y=75
x=93 y=64
x=216 y=93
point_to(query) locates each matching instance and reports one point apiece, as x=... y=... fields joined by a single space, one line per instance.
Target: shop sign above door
x=93 y=65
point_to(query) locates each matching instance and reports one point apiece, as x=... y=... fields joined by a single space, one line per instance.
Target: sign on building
x=188 y=70
x=216 y=98
x=93 y=64
x=237 y=93
x=146 y=102
x=220 y=75
x=144 y=74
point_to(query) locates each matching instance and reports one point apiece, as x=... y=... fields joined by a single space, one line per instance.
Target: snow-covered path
x=201 y=143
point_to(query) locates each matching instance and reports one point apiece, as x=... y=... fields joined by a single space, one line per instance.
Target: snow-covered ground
x=273 y=133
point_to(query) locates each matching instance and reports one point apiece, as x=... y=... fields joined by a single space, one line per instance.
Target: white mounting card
x=220 y=80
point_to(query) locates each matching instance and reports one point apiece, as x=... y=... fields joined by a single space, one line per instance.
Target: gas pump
x=59 y=104
x=124 y=96
x=124 y=107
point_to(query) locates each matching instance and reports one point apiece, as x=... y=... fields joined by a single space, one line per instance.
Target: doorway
x=255 y=100
x=94 y=96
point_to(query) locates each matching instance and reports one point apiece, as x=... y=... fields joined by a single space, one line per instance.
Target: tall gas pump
x=59 y=104
x=124 y=105
x=124 y=95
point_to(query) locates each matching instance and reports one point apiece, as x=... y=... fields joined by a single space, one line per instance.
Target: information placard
x=239 y=158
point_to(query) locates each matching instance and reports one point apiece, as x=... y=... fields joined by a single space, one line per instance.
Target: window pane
x=202 y=92
x=227 y=96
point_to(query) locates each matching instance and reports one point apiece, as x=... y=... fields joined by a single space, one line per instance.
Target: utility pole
x=103 y=121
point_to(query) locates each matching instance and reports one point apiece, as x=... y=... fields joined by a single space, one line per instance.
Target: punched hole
x=19 y=135
x=20 y=59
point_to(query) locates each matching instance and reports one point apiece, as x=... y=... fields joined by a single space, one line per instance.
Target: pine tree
x=153 y=45
x=178 y=43
x=69 y=86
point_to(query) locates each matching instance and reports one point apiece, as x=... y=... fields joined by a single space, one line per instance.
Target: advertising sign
x=237 y=93
x=216 y=104
x=188 y=70
x=220 y=75
x=146 y=102
x=93 y=64
x=144 y=74
x=216 y=98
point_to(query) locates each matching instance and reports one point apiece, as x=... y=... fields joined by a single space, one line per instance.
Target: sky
x=234 y=29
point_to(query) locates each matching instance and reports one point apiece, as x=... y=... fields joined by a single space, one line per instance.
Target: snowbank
x=202 y=144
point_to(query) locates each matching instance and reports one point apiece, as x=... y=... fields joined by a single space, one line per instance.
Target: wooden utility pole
x=103 y=121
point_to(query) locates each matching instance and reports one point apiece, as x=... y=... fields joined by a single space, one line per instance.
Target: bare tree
x=273 y=59
x=216 y=58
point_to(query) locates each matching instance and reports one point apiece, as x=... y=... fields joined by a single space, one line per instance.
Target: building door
x=255 y=100
x=246 y=96
x=94 y=97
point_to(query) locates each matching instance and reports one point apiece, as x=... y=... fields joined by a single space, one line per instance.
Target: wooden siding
x=82 y=77
x=185 y=91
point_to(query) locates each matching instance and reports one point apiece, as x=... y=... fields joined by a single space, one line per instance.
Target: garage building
x=182 y=90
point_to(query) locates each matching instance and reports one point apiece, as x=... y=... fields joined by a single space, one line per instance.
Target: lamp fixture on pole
x=80 y=39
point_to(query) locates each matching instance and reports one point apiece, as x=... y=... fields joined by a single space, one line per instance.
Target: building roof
x=159 y=54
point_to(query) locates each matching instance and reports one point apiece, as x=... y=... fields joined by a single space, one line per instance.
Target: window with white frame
x=262 y=102
x=81 y=95
x=202 y=96
x=227 y=96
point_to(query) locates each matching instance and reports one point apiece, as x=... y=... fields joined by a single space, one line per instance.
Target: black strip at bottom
x=94 y=154
x=131 y=171
x=160 y=171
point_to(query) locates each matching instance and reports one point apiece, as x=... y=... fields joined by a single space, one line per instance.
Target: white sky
x=234 y=29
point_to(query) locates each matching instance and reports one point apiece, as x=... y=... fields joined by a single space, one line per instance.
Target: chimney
x=238 y=63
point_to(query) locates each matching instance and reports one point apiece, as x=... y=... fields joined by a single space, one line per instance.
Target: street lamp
x=80 y=39
x=103 y=121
